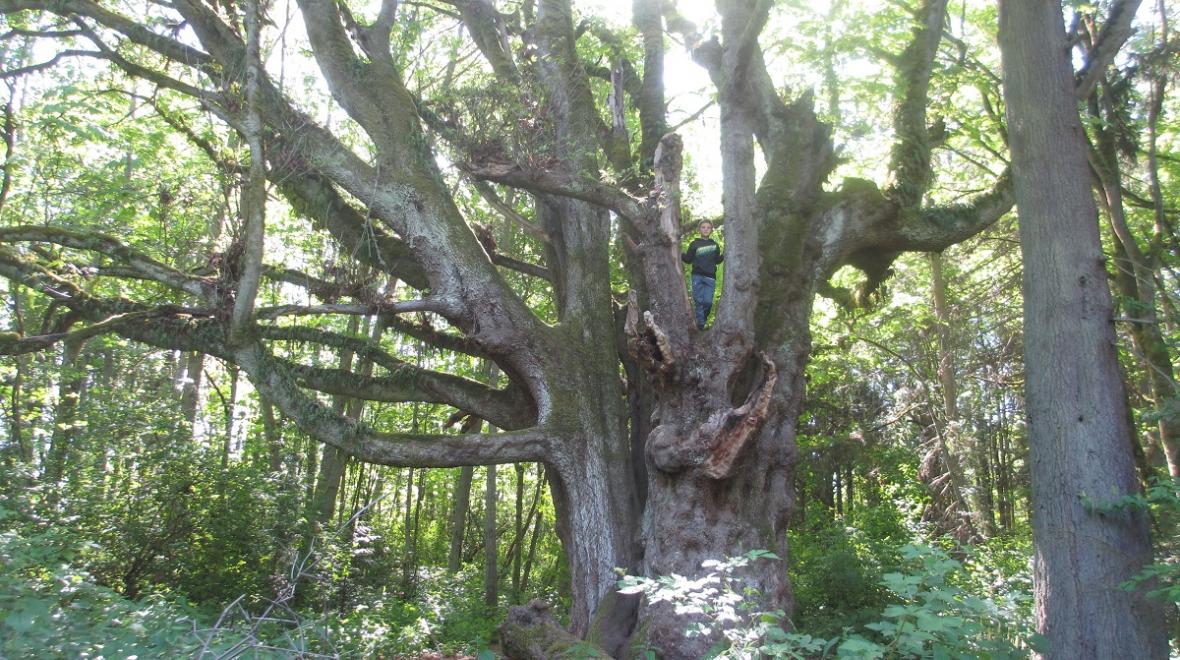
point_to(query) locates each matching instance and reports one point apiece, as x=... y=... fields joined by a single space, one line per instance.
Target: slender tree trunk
x=459 y=510
x=190 y=390
x=23 y=444
x=231 y=416
x=538 y=529
x=408 y=533
x=333 y=461
x=273 y=433
x=970 y=501
x=518 y=530
x=65 y=414
x=1134 y=275
x=491 y=580
x=1079 y=439
x=415 y=491
x=16 y=430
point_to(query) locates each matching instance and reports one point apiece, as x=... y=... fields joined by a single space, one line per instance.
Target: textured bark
x=250 y=245
x=274 y=435
x=1079 y=440
x=531 y=632
x=190 y=390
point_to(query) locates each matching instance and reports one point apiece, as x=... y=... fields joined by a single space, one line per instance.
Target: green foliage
x=53 y=608
x=936 y=617
x=836 y=578
x=1161 y=498
x=446 y=615
x=928 y=614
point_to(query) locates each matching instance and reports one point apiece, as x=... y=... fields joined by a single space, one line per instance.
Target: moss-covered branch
x=275 y=382
x=506 y=409
x=109 y=246
x=938 y=227
x=910 y=156
x=14 y=344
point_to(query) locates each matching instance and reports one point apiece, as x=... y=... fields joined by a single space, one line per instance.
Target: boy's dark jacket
x=704 y=254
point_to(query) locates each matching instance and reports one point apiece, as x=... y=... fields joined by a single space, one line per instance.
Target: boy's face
x=705 y=228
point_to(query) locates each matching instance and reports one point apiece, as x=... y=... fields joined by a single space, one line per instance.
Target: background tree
x=1079 y=441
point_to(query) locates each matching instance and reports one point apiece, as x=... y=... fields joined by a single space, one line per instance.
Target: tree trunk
x=538 y=529
x=715 y=421
x=736 y=500
x=518 y=533
x=190 y=389
x=273 y=433
x=459 y=510
x=231 y=416
x=951 y=437
x=491 y=580
x=333 y=461
x=1079 y=439
x=65 y=415
x=1134 y=275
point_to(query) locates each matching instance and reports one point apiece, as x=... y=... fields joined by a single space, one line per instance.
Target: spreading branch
x=109 y=246
x=1117 y=28
x=398 y=449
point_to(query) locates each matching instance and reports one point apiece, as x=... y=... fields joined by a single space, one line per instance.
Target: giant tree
x=663 y=445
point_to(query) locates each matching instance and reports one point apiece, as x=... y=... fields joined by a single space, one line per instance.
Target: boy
x=704 y=254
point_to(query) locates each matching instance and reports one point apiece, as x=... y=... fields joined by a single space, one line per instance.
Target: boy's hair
x=704 y=222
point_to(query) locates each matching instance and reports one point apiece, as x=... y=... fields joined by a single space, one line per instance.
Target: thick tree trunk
x=1079 y=440
x=721 y=486
x=720 y=447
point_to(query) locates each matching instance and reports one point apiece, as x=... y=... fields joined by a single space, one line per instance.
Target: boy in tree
x=704 y=254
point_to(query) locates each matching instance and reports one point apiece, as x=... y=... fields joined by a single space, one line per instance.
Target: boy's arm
x=690 y=254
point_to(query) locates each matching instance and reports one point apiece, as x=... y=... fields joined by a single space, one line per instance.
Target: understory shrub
x=929 y=614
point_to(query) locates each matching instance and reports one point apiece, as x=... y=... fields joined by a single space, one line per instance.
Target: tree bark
x=491 y=579
x=460 y=508
x=274 y=435
x=1079 y=439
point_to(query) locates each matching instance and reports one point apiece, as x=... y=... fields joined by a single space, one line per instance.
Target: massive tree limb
x=910 y=156
x=505 y=409
x=418 y=450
